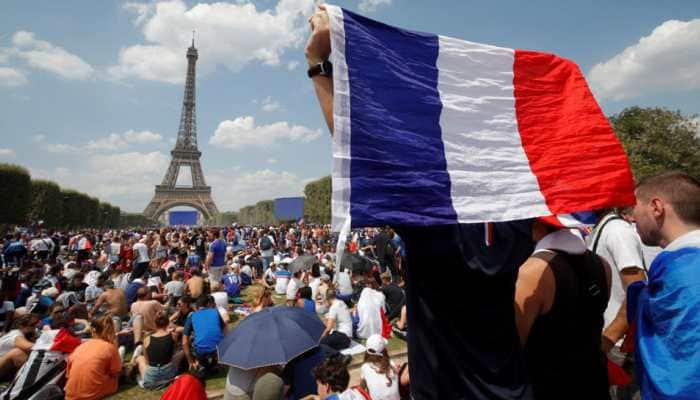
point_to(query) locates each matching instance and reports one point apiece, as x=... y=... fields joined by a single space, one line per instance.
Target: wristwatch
x=324 y=68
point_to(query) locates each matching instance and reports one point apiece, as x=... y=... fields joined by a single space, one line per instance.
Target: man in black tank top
x=561 y=294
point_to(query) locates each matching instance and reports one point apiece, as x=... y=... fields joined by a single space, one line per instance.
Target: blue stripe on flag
x=398 y=168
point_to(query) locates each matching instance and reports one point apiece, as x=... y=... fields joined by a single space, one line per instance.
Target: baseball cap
x=375 y=344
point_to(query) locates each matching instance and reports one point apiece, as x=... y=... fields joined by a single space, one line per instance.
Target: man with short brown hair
x=667 y=308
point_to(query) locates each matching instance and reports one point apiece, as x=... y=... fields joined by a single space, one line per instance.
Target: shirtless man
x=114 y=299
x=195 y=285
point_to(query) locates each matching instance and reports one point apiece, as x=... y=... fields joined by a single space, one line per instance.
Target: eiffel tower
x=168 y=194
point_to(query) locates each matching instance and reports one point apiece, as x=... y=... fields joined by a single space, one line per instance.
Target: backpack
x=265 y=243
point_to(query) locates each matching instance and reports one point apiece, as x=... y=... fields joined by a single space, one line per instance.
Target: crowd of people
x=168 y=296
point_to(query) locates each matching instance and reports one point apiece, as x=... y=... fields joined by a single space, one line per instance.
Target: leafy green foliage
x=47 y=203
x=15 y=194
x=658 y=140
x=317 y=204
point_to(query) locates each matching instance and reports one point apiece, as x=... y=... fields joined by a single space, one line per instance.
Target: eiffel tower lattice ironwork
x=168 y=194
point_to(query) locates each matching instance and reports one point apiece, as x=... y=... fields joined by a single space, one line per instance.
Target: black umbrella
x=302 y=263
x=356 y=263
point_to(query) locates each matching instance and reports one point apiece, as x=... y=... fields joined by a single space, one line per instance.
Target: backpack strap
x=599 y=231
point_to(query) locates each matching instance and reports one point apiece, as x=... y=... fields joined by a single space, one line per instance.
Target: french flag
x=432 y=130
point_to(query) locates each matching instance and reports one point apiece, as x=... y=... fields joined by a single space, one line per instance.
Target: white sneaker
x=137 y=352
x=122 y=352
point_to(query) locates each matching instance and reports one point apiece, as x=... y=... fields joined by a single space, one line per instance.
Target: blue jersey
x=194 y=261
x=218 y=248
x=206 y=324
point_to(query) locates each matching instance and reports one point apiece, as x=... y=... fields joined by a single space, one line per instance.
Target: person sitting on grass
x=338 y=323
x=332 y=379
x=94 y=366
x=158 y=364
x=379 y=374
x=16 y=344
x=177 y=320
x=175 y=288
x=263 y=300
x=204 y=329
x=305 y=301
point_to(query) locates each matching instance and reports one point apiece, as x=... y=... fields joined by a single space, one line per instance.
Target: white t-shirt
x=175 y=288
x=315 y=282
x=142 y=250
x=220 y=299
x=620 y=246
x=7 y=341
x=292 y=288
x=340 y=313
x=269 y=274
x=41 y=244
x=281 y=283
x=247 y=270
x=378 y=384
x=240 y=382
x=344 y=283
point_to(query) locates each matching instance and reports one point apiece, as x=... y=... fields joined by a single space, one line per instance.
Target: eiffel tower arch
x=185 y=154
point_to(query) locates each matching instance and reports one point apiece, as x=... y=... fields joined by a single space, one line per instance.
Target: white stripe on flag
x=340 y=201
x=490 y=175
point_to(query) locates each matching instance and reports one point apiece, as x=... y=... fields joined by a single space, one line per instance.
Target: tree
x=317 y=204
x=657 y=140
x=15 y=194
x=47 y=203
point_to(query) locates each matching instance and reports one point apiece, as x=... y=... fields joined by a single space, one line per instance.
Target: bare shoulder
x=532 y=268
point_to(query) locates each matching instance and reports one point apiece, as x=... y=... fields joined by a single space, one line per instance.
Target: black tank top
x=160 y=350
x=563 y=354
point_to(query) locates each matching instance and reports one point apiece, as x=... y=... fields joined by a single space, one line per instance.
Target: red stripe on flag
x=574 y=153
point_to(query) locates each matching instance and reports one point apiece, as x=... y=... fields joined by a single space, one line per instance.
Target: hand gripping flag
x=432 y=130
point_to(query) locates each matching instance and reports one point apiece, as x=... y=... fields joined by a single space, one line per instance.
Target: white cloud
x=7 y=154
x=40 y=54
x=116 y=141
x=141 y=10
x=243 y=131
x=228 y=34
x=11 y=77
x=124 y=179
x=269 y=104
x=292 y=65
x=372 y=5
x=61 y=148
x=667 y=59
x=230 y=194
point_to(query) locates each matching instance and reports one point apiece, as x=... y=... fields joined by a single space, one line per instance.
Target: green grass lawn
x=218 y=381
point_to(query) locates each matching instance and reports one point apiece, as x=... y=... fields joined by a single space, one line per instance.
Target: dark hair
x=162 y=320
x=25 y=321
x=679 y=189
x=305 y=293
x=334 y=372
x=315 y=270
x=382 y=362
x=187 y=300
x=204 y=301
x=61 y=320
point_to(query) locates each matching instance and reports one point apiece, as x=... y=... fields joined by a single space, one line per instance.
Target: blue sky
x=91 y=91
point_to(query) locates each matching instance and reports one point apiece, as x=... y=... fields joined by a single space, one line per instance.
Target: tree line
x=27 y=201
x=317 y=208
